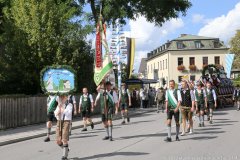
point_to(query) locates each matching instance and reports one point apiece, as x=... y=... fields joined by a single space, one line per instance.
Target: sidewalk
x=34 y=131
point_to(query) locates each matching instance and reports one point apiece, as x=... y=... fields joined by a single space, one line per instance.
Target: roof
x=194 y=37
x=189 y=42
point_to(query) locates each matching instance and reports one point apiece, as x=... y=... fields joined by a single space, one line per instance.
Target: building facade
x=184 y=56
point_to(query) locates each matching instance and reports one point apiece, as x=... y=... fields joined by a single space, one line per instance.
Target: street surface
x=141 y=139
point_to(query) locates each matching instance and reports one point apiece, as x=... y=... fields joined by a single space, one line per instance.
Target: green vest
x=52 y=104
x=86 y=103
x=176 y=96
x=210 y=96
x=124 y=97
x=199 y=96
x=109 y=101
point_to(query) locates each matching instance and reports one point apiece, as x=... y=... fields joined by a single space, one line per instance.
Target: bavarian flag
x=107 y=65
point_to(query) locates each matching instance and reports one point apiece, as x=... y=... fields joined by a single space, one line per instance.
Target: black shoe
x=110 y=139
x=128 y=119
x=123 y=122
x=106 y=138
x=92 y=125
x=84 y=129
x=177 y=138
x=202 y=124
x=199 y=125
x=168 y=139
x=188 y=130
x=64 y=158
x=47 y=139
x=208 y=118
x=211 y=122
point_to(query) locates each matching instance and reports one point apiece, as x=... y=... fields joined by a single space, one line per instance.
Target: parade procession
x=119 y=80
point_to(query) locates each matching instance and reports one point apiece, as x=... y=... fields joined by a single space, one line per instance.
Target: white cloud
x=223 y=27
x=197 y=18
x=148 y=36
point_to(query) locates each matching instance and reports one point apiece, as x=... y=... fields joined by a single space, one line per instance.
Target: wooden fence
x=22 y=111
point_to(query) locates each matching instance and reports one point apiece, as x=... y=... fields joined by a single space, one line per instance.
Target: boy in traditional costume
x=211 y=101
x=124 y=102
x=236 y=97
x=63 y=114
x=86 y=106
x=187 y=107
x=172 y=100
x=201 y=102
x=108 y=101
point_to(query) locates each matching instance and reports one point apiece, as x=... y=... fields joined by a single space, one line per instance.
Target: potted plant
x=204 y=65
x=181 y=68
x=193 y=67
x=218 y=66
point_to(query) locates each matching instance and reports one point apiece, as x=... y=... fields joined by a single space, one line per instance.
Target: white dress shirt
x=67 y=114
x=171 y=92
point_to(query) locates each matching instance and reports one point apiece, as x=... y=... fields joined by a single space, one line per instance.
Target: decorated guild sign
x=58 y=80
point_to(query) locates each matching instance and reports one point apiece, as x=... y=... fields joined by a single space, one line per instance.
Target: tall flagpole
x=118 y=55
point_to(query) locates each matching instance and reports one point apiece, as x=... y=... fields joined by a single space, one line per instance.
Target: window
x=154 y=66
x=180 y=61
x=192 y=60
x=198 y=44
x=166 y=63
x=192 y=77
x=151 y=68
x=148 y=69
x=163 y=64
x=160 y=65
x=205 y=60
x=216 y=44
x=179 y=79
x=179 y=45
x=217 y=60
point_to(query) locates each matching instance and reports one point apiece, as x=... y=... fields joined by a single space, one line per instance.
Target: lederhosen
x=200 y=100
x=170 y=110
x=124 y=100
x=186 y=104
x=86 y=106
x=210 y=99
x=108 y=115
x=63 y=133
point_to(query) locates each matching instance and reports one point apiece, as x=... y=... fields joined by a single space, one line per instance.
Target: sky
x=211 y=18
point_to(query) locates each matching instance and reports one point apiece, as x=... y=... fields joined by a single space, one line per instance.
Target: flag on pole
x=131 y=55
x=107 y=65
x=229 y=61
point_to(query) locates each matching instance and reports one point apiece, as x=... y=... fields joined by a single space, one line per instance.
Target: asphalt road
x=142 y=139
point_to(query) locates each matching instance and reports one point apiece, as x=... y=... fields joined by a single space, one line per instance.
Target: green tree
x=235 y=48
x=40 y=33
x=156 y=11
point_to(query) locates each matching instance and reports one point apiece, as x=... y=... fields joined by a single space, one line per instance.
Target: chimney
x=182 y=35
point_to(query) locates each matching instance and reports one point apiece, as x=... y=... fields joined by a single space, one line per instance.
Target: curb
x=73 y=128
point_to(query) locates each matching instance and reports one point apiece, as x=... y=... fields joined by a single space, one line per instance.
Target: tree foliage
x=155 y=11
x=37 y=34
x=235 y=48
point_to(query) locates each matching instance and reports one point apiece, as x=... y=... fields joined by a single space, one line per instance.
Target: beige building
x=184 y=56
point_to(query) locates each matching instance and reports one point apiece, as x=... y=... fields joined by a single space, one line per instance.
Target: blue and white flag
x=229 y=61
